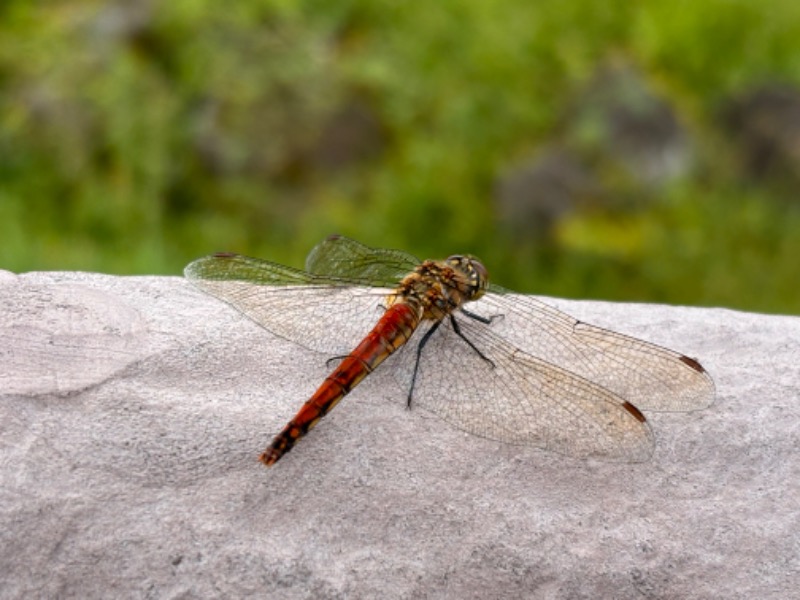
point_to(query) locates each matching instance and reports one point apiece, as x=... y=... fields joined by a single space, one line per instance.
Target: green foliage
x=136 y=136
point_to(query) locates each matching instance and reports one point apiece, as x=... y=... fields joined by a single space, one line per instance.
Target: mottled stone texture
x=133 y=410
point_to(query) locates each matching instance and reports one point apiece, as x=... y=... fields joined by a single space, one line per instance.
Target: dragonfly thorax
x=438 y=288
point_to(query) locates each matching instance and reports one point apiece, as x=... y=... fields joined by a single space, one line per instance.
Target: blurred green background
x=621 y=150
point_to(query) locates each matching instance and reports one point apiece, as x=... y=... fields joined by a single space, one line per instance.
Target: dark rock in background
x=533 y=196
x=619 y=118
x=764 y=124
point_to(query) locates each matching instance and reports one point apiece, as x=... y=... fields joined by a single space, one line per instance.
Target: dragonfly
x=495 y=364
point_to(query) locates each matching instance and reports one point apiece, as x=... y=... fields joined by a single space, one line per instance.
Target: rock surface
x=132 y=411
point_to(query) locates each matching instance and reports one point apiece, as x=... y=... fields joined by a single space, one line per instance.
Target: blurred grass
x=135 y=136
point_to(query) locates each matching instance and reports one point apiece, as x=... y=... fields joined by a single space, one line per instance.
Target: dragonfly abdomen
x=391 y=332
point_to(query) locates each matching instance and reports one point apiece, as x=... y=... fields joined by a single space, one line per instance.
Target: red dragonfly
x=498 y=365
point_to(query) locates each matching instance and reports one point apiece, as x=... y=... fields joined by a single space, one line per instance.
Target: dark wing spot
x=693 y=363
x=225 y=255
x=634 y=411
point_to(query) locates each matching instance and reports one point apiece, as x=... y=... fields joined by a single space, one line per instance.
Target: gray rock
x=133 y=411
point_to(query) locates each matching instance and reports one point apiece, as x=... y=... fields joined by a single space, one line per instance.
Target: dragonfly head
x=477 y=277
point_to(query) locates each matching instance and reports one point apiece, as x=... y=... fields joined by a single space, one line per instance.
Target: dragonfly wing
x=647 y=375
x=345 y=258
x=513 y=397
x=324 y=313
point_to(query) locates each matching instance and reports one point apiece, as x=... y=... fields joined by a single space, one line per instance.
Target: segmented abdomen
x=391 y=332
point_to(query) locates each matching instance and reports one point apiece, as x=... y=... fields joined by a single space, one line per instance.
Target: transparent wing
x=342 y=257
x=324 y=313
x=330 y=307
x=647 y=375
x=510 y=396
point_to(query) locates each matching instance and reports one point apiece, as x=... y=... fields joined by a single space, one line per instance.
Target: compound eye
x=483 y=274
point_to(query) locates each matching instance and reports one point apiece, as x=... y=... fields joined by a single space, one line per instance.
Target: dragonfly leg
x=331 y=362
x=457 y=329
x=420 y=346
x=480 y=318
